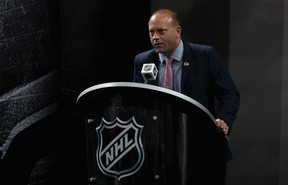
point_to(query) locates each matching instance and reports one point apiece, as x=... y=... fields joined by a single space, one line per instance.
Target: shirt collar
x=176 y=55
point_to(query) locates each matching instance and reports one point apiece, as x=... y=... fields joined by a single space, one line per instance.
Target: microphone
x=149 y=72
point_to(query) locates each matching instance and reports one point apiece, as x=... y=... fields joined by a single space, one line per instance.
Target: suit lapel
x=188 y=59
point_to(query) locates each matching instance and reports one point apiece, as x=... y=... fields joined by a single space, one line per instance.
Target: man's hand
x=222 y=127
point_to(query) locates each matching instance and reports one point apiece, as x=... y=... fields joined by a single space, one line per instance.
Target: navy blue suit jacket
x=205 y=78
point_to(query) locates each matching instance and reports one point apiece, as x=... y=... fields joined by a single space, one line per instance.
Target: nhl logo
x=149 y=71
x=120 y=151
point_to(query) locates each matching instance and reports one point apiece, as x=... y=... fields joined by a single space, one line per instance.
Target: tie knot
x=169 y=60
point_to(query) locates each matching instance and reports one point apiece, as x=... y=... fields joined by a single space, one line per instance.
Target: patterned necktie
x=168 y=75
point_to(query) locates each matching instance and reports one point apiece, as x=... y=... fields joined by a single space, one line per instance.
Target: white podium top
x=148 y=87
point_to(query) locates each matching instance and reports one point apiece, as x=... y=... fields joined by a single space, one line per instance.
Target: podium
x=141 y=134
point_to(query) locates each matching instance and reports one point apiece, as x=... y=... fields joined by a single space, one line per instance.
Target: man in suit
x=198 y=70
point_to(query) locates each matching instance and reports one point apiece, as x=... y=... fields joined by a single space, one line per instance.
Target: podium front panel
x=145 y=135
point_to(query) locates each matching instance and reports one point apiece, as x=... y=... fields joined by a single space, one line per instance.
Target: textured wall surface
x=29 y=60
x=50 y=52
x=28 y=75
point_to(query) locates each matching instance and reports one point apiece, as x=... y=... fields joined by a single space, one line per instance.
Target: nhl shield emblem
x=120 y=151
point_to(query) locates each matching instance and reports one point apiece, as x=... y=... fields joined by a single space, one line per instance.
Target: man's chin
x=158 y=50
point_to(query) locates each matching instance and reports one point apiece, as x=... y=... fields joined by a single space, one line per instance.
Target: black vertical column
x=99 y=40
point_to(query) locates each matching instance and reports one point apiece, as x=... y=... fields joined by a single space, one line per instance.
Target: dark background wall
x=258 y=61
x=52 y=50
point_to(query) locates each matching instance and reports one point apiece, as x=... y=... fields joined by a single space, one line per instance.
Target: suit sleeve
x=226 y=91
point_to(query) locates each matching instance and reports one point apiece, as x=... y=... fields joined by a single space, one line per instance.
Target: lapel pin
x=186 y=63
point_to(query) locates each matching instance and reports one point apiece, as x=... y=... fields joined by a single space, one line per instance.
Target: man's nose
x=155 y=36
